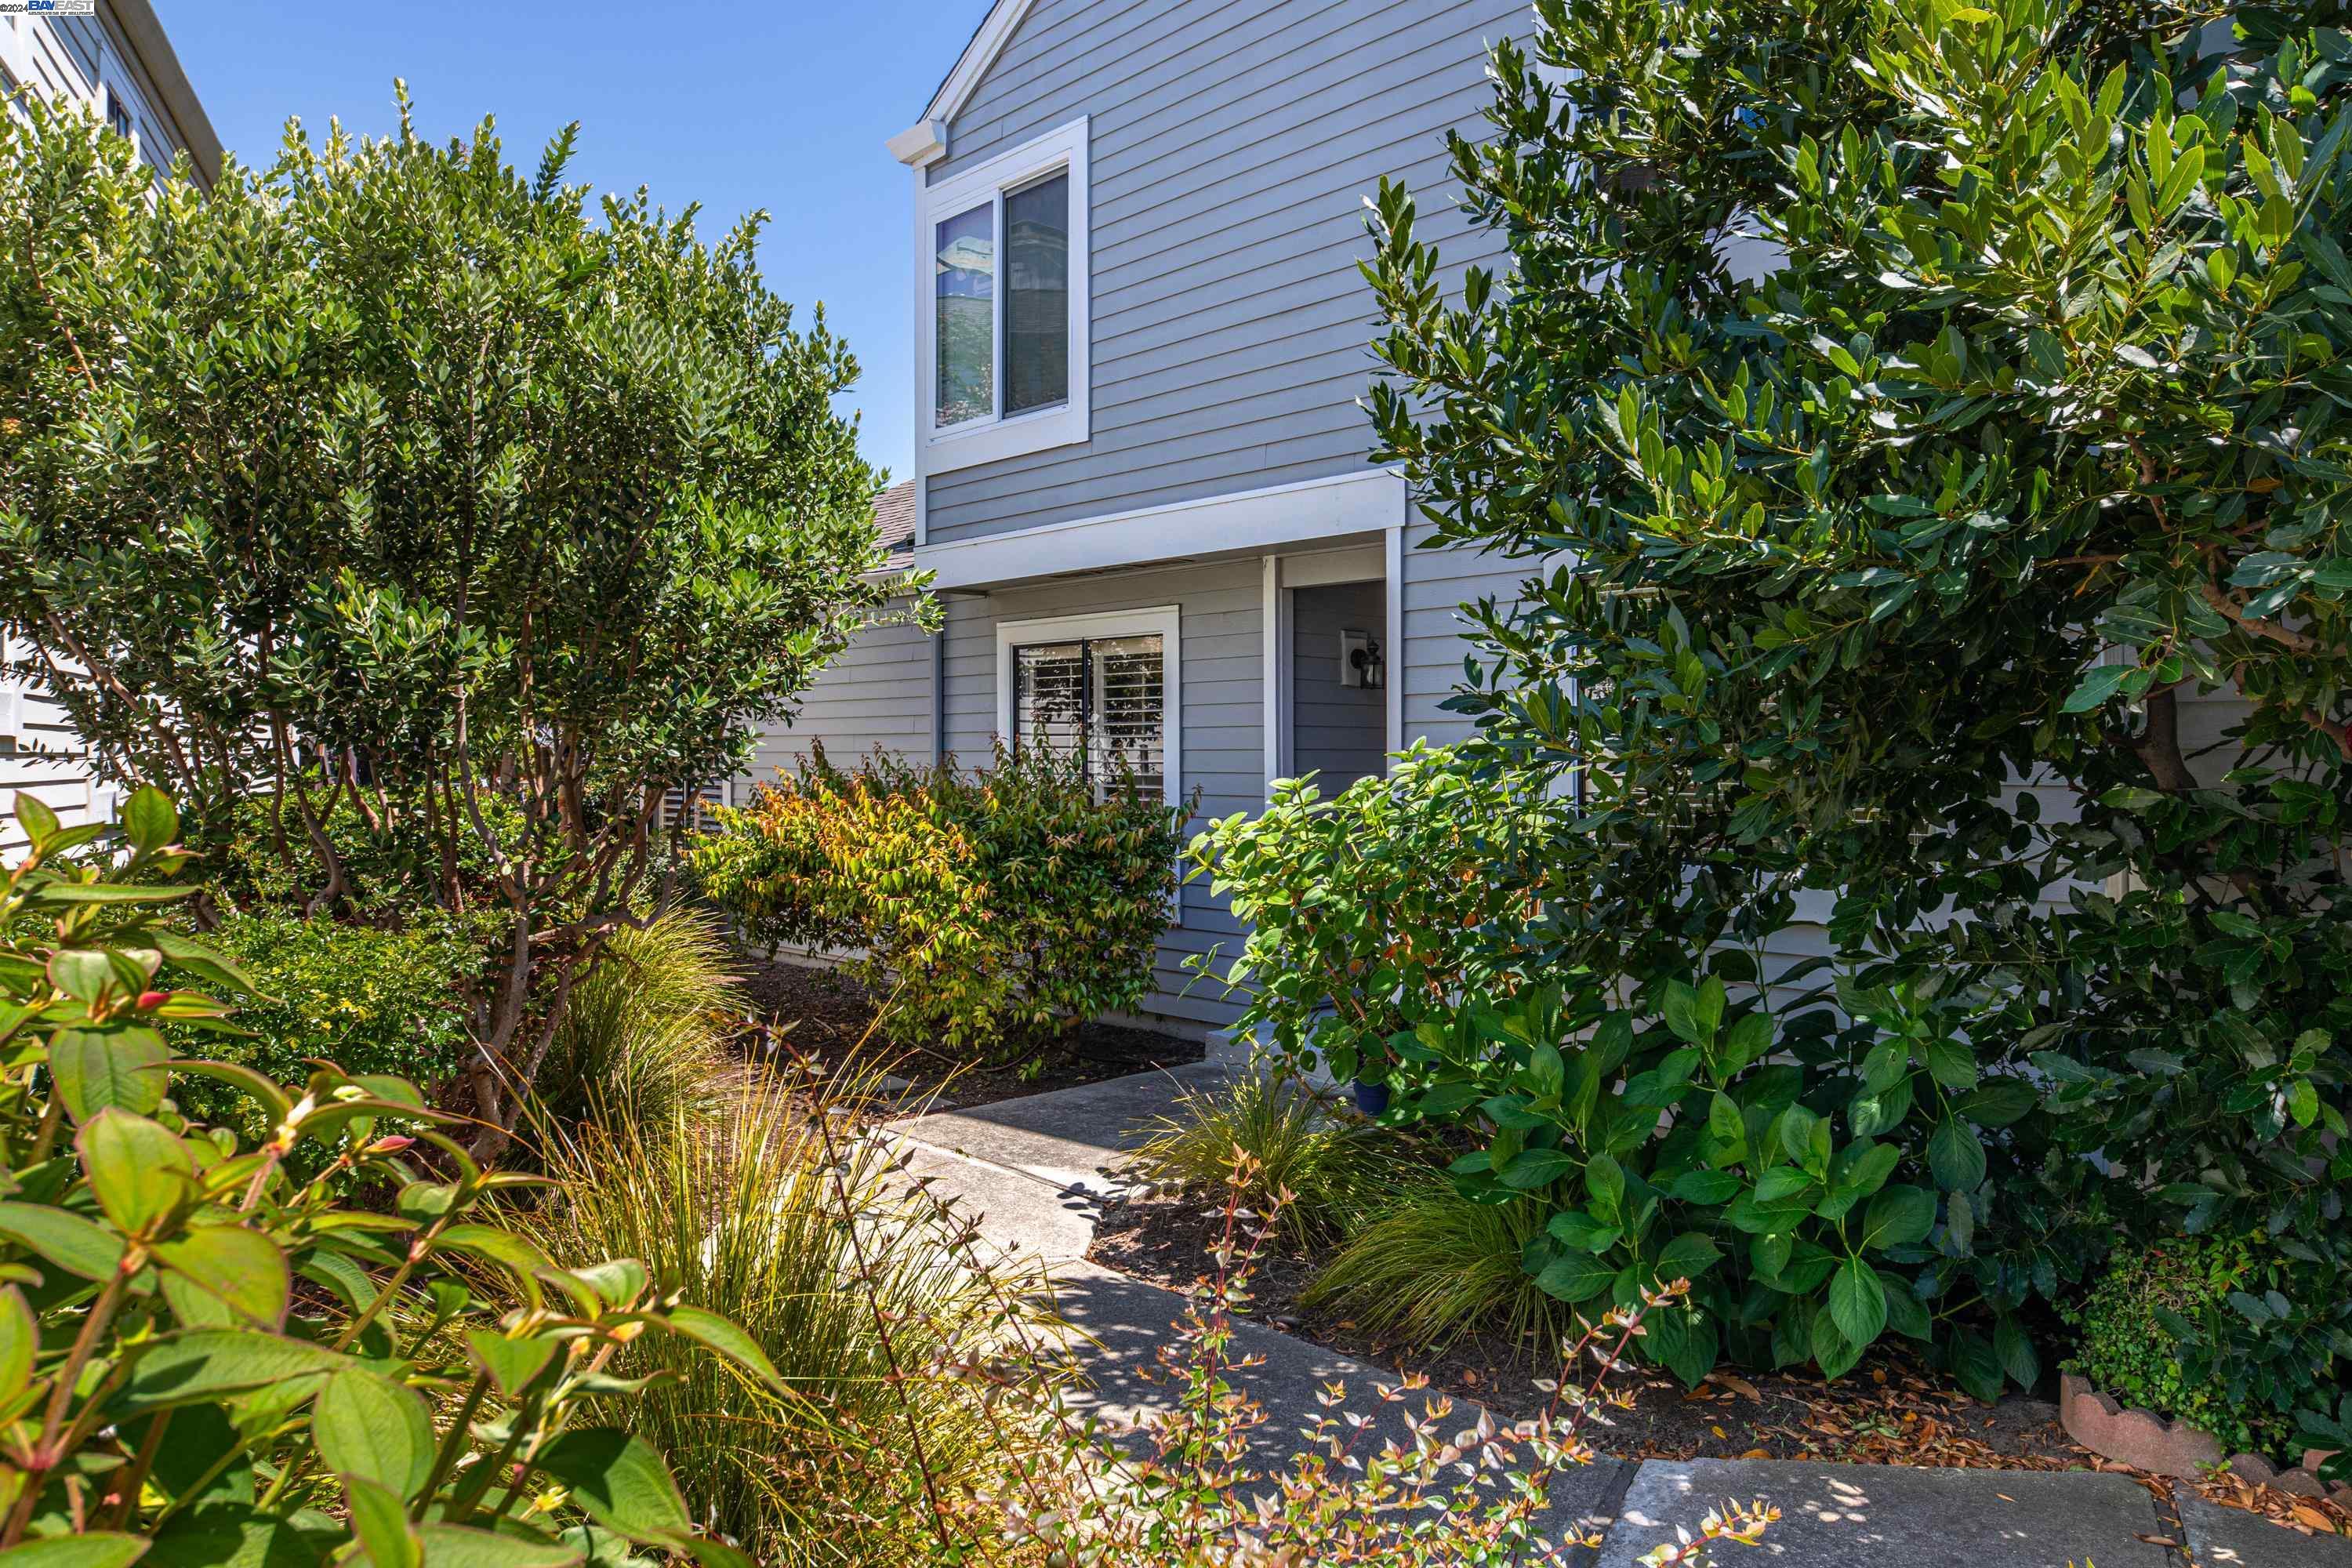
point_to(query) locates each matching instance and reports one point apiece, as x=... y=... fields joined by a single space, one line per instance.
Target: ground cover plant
x=994 y=909
x=450 y=516
x=1891 y=401
x=167 y=1388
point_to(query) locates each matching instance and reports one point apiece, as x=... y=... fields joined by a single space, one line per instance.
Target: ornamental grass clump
x=852 y=1286
x=1320 y=1167
x=644 y=1039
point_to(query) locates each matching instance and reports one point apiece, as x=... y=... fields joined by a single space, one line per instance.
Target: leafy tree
x=395 y=485
x=1898 y=402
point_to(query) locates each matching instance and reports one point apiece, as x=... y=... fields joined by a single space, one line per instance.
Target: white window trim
x=1163 y=619
x=939 y=451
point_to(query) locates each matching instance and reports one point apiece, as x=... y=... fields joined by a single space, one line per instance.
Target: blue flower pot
x=1371 y=1098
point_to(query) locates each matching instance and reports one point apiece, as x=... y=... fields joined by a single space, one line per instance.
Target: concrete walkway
x=1032 y=1173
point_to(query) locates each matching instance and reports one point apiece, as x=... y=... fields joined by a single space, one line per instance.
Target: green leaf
x=272 y=1097
x=141 y=1173
x=371 y=1426
x=1687 y=1257
x=455 y=1546
x=620 y=1481
x=1905 y=1313
x=20 y=1337
x=1604 y=1181
x=2097 y=685
x=1956 y=1156
x=1952 y=1065
x=33 y=814
x=68 y=1240
x=2188 y=168
x=1900 y=1216
x=2014 y=1346
x=722 y=1335
x=1705 y=1187
x=1538 y=1168
x=512 y=1363
x=1832 y=1351
x=95 y=1068
x=150 y=820
x=1858 y=1302
x=93 y=1549
x=198 y=1365
x=379 y=1523
x=1575 y=1279
x=243 y=1267
x=1998 y=1103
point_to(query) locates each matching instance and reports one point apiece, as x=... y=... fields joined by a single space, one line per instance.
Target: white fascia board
x=1251 y=520
x=995 y=32
x=921 y=145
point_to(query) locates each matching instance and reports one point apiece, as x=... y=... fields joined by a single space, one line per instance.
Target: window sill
x=1013 y=437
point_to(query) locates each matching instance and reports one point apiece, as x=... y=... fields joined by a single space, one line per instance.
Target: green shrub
x=1287 y=1140
x=369 y=1000
x=821 y=1471
x=166 y=1388
x=2224 y=1333
x=989 y=908
x=1874 y=438
x=645 y=1037
x=1379 y=905
x=1427 y=1264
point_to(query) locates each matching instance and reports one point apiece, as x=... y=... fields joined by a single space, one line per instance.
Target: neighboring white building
x=117 y=62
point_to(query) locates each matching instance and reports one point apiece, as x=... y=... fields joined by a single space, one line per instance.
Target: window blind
x=1104 y=697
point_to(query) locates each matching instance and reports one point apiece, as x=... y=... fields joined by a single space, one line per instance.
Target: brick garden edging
x=2149 y=1441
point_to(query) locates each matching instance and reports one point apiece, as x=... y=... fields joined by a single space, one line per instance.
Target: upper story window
x=1003 y=318
x=118 y=116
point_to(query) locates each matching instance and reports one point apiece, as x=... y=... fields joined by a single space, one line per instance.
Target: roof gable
x=988 y=41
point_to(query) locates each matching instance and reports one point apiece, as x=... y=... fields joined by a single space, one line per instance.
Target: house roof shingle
x=894 y=521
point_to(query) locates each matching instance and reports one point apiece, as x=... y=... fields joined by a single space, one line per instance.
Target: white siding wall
x=74 y=59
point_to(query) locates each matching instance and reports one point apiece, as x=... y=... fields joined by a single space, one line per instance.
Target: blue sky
x=781 y=105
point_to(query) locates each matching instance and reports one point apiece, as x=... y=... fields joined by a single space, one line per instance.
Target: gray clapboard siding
x=1437 y=584
x=877 y=693
x=1231 y=147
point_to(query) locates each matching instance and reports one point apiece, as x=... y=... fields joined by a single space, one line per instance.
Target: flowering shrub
x=162 y=1381
x=989 y=907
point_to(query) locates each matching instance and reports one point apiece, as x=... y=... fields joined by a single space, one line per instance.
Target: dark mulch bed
x=1886 y=1412
x=824 y=1015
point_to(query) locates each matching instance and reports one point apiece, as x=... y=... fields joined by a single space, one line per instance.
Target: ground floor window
x=1101 y=686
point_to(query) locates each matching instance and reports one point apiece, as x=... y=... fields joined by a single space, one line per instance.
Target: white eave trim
x=921 y=145
x=995 y=31
x=1247 y=521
